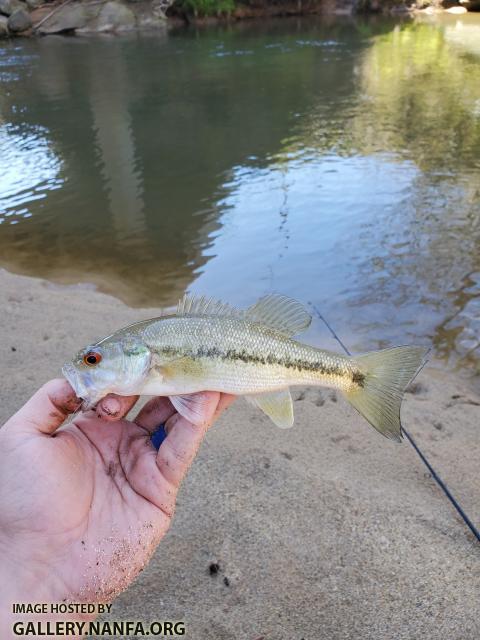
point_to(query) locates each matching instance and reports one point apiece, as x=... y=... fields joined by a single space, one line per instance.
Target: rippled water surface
x=337 y=162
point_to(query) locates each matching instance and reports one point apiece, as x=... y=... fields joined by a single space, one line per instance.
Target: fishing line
x=421 y=455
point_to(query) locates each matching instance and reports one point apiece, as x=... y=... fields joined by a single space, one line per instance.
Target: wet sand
x=324 y=531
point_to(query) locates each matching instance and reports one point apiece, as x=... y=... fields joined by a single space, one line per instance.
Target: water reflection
x=462 y=33
x=29 y=170
x=115 y=149
x=337 y=162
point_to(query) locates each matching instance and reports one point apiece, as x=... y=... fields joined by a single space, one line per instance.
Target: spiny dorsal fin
x=277 y=405
x=193 y=306
x=281 y=313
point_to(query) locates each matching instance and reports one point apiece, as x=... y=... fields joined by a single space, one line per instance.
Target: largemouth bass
x=208 y=345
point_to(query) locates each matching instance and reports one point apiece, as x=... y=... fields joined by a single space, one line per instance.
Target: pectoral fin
x=193 y=407
x=277 y=405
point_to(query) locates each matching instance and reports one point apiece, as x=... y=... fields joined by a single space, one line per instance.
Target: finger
x=47 y=409
x=226 y=399
x=183 y=440
x=113 y=407
x=154 y=413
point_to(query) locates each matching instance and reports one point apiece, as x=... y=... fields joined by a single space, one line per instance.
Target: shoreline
x=327 y=520
x=103 y=296
x=71 y=285
x=31 y=18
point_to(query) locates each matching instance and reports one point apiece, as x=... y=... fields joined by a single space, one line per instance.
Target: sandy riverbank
x=323 y=531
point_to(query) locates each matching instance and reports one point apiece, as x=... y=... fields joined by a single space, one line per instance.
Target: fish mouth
x=80 y=386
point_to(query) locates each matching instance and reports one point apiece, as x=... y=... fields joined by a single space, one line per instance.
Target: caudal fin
x=384 y=376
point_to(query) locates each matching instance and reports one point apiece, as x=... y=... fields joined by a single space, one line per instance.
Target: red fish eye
x=92 y=358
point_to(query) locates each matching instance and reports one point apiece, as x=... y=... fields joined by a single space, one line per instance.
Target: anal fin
x=277 y=405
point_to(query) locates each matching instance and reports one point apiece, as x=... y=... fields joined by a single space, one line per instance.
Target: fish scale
x=244 y=357
x=208 y=345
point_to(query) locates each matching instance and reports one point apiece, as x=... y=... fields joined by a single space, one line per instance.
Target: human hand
x=83 y=506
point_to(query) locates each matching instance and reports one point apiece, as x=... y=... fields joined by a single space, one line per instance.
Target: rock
x=91 y=13
x=160 y=7
x=37 y=15
x=34 y=4
x=3 y=27
x=69 y=18
x=115 y=16
x=19 y=21
x=150 y=15
x=92 y=10
x=456 y=10
x=7 y=7
x=148 y=20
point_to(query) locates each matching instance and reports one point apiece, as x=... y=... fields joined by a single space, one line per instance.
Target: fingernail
x=111 y=406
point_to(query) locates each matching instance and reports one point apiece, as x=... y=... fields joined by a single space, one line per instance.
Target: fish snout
x=79 y=383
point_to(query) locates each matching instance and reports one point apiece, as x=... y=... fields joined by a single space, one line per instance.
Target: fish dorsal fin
x=281 y=313
x=194 y=306
x=276 y=311
x=277 y=405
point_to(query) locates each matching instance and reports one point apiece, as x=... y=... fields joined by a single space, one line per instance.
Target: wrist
x=25 y=576
x=35 y=587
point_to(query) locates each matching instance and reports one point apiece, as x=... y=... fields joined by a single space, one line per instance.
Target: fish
x=209 y=345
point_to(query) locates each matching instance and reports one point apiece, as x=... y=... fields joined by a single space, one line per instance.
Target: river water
x=334 y=161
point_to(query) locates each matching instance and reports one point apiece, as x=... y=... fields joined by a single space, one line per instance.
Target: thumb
x=47 y=409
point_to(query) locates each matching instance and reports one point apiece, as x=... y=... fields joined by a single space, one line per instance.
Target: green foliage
x=206 y=7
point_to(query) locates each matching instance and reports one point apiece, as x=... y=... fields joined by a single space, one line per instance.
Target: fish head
x=114 y=365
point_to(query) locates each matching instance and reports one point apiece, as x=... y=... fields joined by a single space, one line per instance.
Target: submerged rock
x=3 y=27
x=19 y=21
x=70 y=18
x=34 y=4
x=115 y=16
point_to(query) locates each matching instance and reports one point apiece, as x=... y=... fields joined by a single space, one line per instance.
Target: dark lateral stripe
x=244 y=356
x=359 y=378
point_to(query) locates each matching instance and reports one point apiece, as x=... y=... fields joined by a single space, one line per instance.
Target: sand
x=325 y=531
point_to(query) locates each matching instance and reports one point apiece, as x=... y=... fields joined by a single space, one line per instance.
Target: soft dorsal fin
x=276 y=311
x=191 y=305
x=277 y=405
x=281 y=313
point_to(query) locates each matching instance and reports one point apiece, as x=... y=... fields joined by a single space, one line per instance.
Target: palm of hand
x=94 y=498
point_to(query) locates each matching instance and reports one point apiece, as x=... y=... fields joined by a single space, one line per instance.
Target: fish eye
x=92 y=358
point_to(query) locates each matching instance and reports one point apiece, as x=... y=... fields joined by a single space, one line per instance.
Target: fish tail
x=379 y=381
